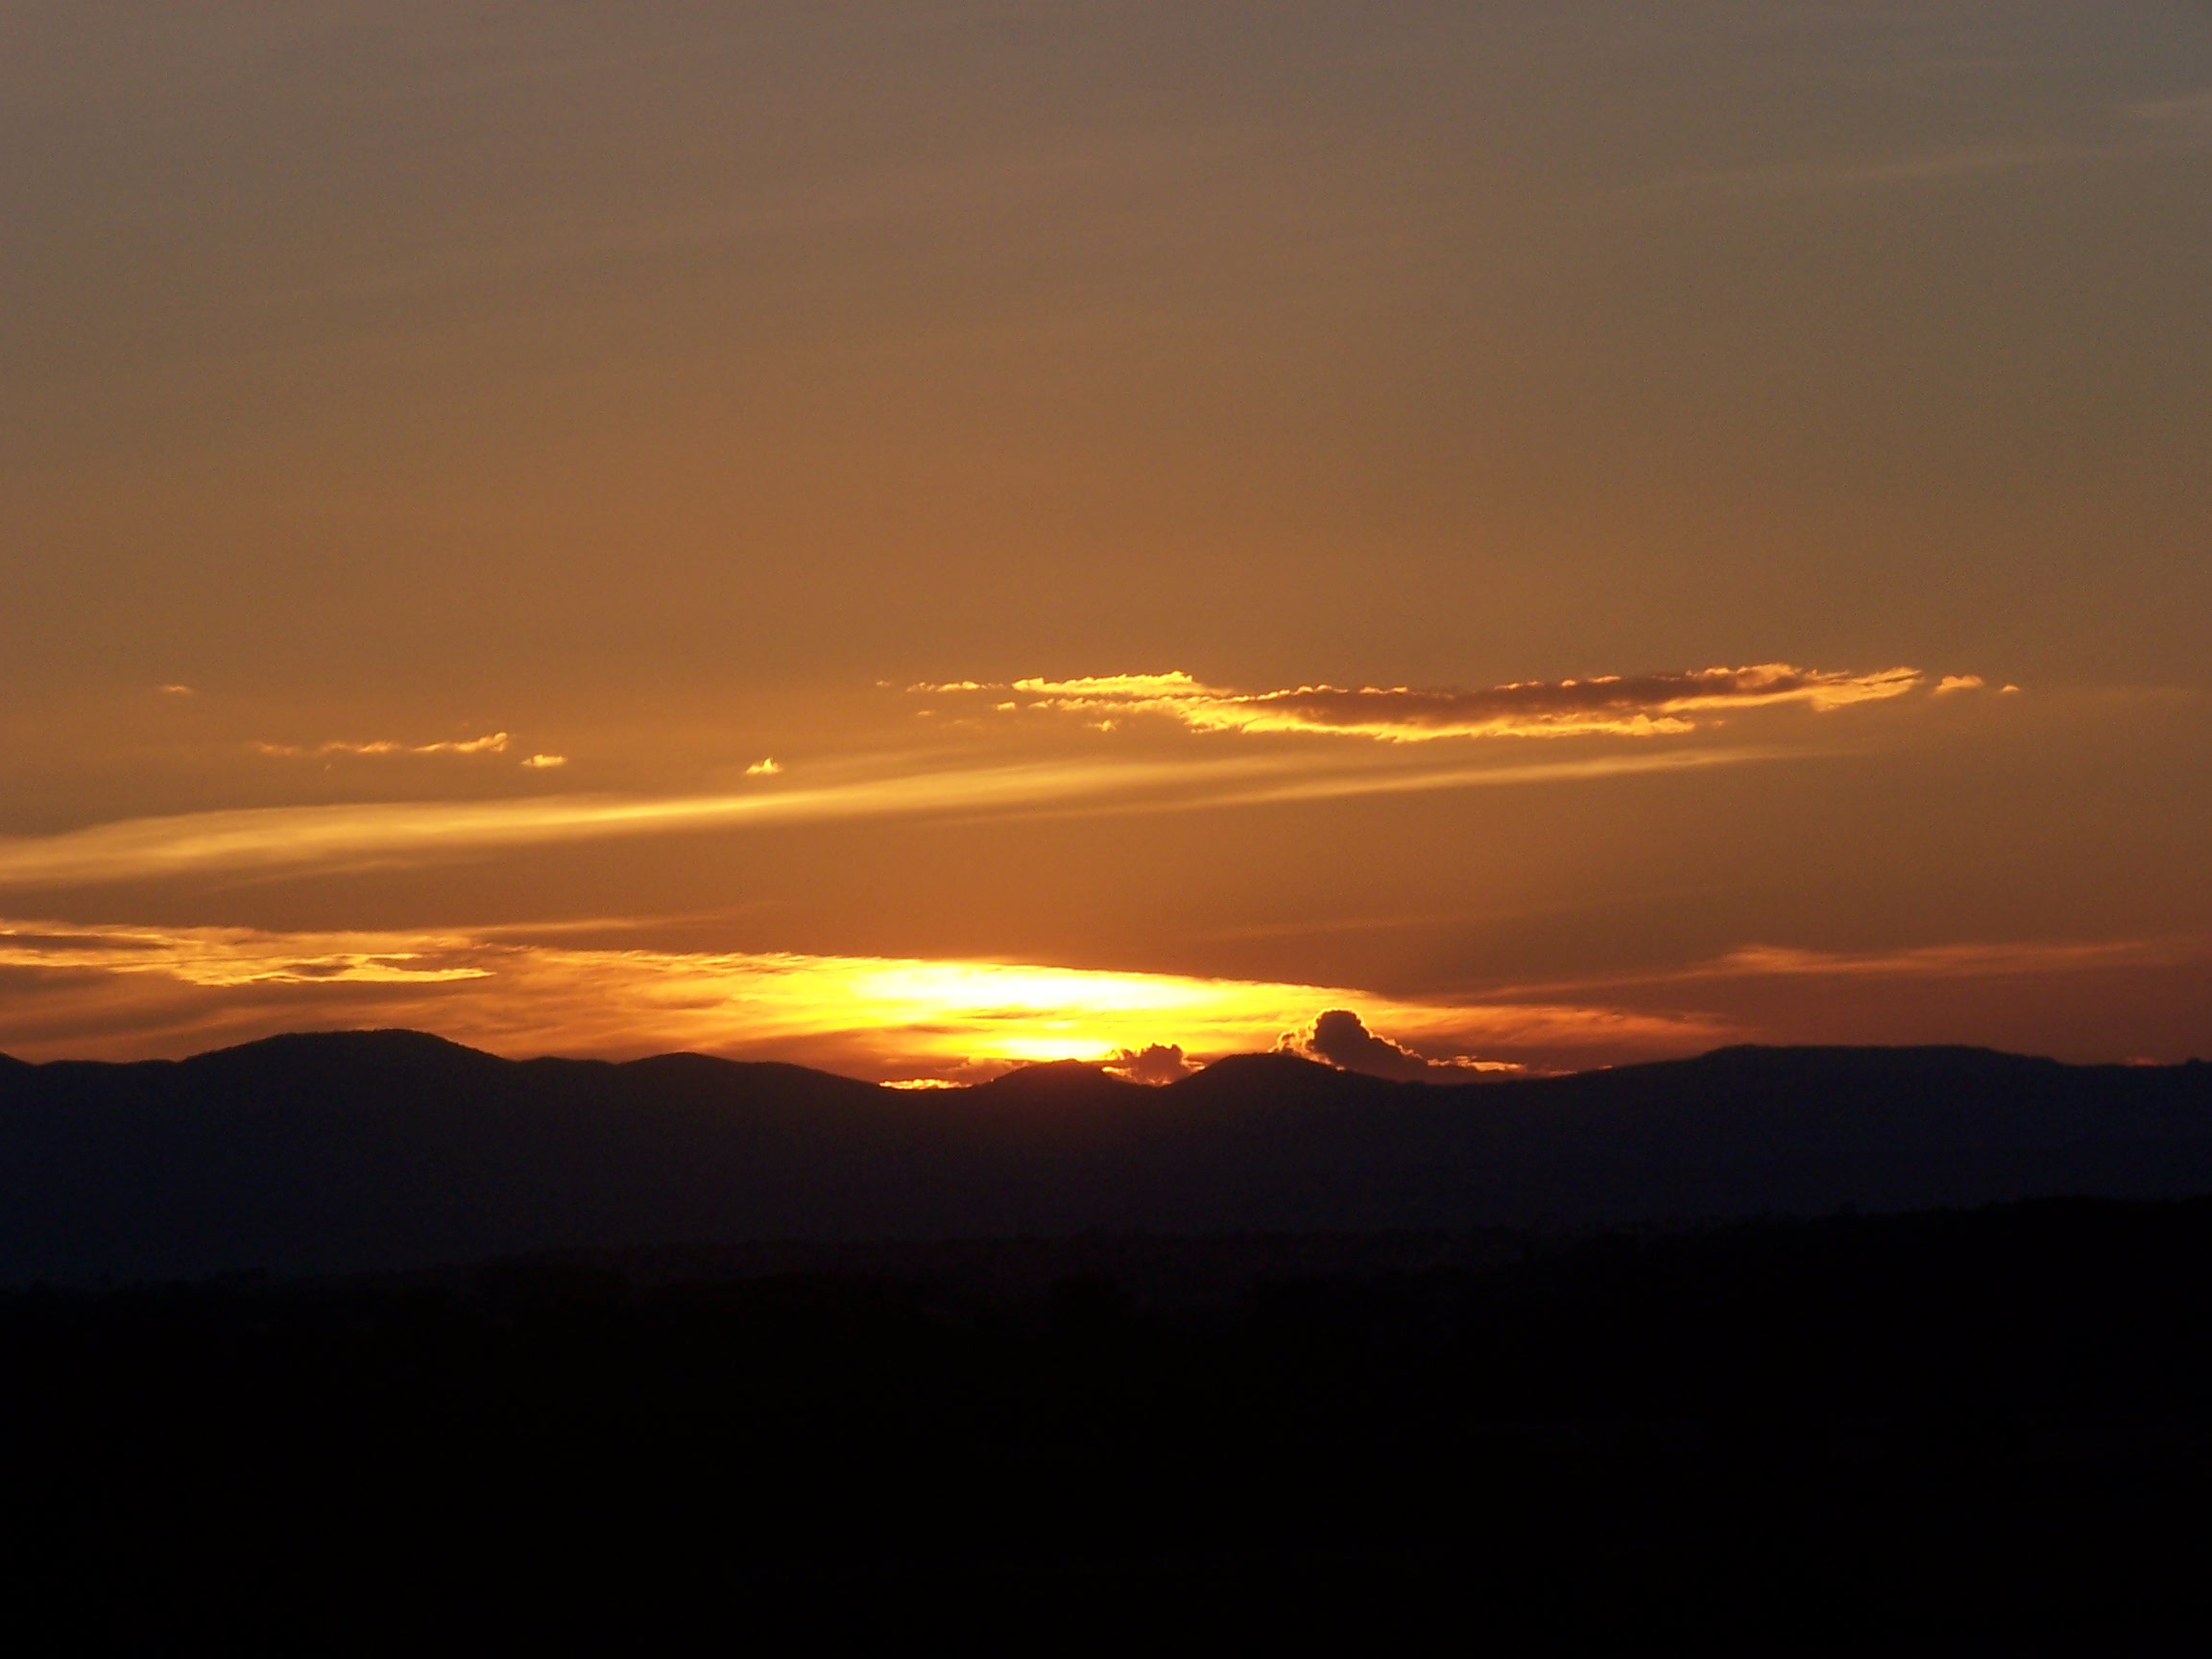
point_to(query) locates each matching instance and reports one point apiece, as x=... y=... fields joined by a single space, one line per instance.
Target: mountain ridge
x=403 y=1039
x=336 y=1151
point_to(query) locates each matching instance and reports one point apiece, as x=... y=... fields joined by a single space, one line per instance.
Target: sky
x=916 y=539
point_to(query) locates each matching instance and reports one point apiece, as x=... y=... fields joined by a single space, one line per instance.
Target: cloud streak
x=491 y=743
x=2133 y=132
x=231 y=957
x=1611 y=705
x=1962 y=960
x=1400 y=751
x=361 y=835
x=1958 y=961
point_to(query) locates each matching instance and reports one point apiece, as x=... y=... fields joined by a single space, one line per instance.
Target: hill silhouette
x=355 y=1151
x=1394 y=1388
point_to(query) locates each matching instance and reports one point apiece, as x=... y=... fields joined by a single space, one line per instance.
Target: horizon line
x=1107 y=1068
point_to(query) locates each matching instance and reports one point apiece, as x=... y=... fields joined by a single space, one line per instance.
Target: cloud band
x=1612 y=705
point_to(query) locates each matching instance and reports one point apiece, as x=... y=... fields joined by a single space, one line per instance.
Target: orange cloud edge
x=1612 y=705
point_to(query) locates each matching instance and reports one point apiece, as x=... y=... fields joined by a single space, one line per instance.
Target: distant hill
x=382 y=1149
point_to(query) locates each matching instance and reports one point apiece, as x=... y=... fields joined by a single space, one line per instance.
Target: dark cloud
x=1341 y=1038
x=1631 y=706
x=1159 y=1063
x=1603 y=703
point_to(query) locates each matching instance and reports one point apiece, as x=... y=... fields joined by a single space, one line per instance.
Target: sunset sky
x=913 y=539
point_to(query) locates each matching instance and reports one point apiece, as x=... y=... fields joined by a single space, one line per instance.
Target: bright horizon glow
x=883 y=1018
x=143 y=992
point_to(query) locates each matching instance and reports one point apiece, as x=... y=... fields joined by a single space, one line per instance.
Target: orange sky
x=919 y=539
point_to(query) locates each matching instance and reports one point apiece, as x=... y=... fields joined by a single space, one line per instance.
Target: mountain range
x=376 y=1150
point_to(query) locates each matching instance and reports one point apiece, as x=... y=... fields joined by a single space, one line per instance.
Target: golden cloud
x=355 y=835
x=233 y=956
x=491 y=743
x=1612 y=705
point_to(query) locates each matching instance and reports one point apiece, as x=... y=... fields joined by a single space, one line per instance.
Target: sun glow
x=149 y=990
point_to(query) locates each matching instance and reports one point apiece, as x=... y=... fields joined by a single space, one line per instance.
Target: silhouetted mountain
x=369 y=1150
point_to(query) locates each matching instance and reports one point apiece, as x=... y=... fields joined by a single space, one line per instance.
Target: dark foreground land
x=373 y=1151
x=1846 y=1433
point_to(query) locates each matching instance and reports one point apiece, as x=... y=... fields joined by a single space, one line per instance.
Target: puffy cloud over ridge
x=1339 y=1037
x=1156 y=1063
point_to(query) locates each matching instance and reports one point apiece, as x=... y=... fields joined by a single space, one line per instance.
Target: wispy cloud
x=1959 y=961
x=170 y=989
x=1811 y=176
x=1971 y=959
x=1611 y=705
x=492 y=743
x=236 y=956
x=2183 y=120
x=1402 y=728
x=279 y=838
x=2139 y=129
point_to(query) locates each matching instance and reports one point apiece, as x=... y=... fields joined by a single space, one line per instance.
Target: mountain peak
x=1058 y=1080
x=353 y=1057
